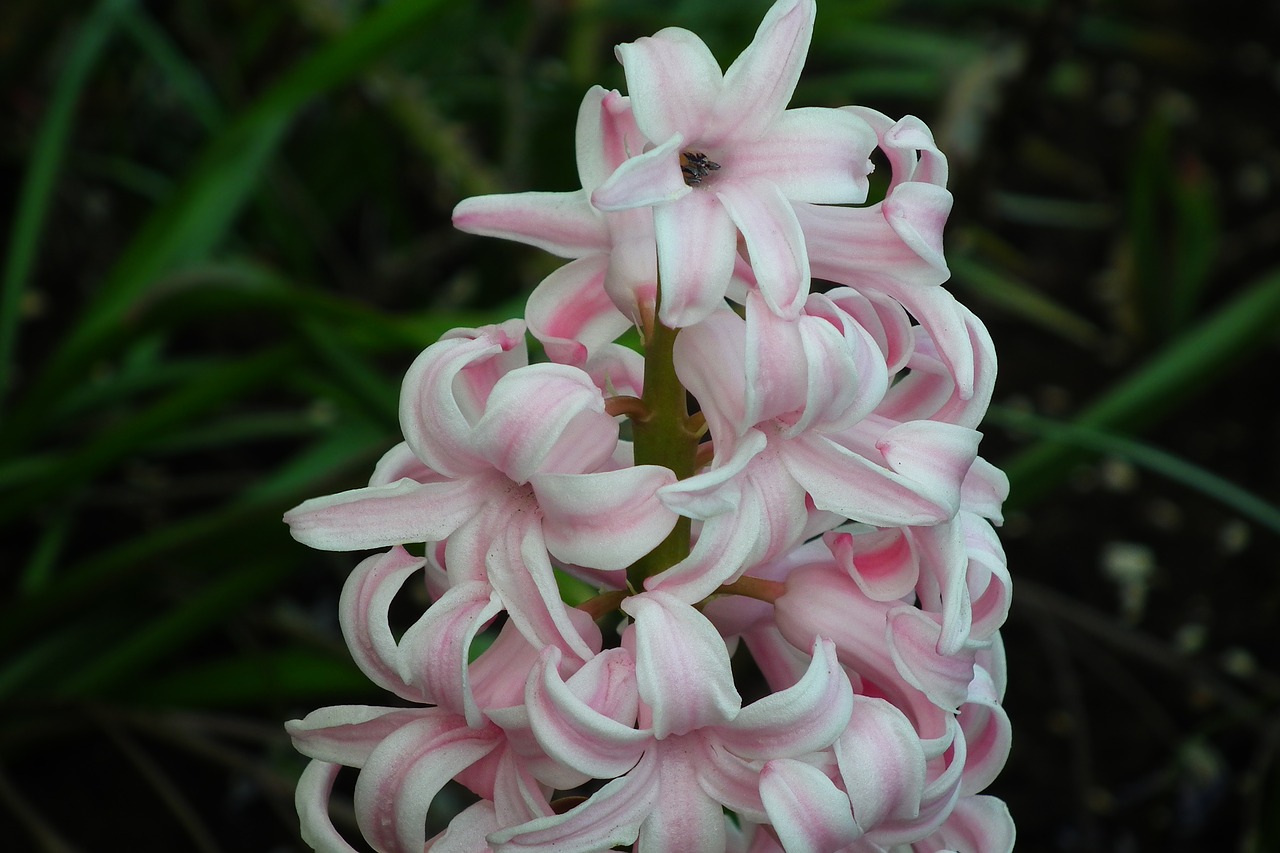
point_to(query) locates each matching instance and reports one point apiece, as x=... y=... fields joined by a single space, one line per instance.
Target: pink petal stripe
x=976 y=825
x=435 y=419
x=611 y=817
x=434 y=650
x=606 y=520
x=653 y=177
x=311 y=799
x=697 y=247
x=806 y=717
x=575 y=733
x=913 y=643
x=362 y=612
x=684 y=817
x=546 y=418
x=809 y=813
x=564 y=224
x=405 y=772
x=682 y=665
x=570 y=308
x=674 y=83
x=347 y=734
x=381 y=516
x=606 y=135
x=774 y=241
x=813 y=154
x=760 y=82
x=882 y=763
x=881 y=562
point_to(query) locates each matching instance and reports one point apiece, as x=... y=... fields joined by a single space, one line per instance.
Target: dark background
x=227 y=234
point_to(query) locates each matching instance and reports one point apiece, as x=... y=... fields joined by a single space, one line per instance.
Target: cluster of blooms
x=824 y=514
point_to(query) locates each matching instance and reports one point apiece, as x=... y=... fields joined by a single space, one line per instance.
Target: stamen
x=696 y=166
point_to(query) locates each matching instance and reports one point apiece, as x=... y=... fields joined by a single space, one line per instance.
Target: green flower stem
x=663 y=437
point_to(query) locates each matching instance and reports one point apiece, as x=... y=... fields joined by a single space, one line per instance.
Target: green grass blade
x=279 y=676
x=173 y=66
x=1181 y=370
x=42 y=172
x=196 y=219
x=1246 y=503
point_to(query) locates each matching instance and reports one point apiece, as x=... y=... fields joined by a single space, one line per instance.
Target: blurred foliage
x=228 y=235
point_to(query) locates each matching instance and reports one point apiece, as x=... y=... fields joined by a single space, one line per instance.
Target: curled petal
x=987 y=734
x=806 y=717
x=611 y=817
x=606 y=135
x=405 y=772
x=682 y=665
x=605 y=520
x=434 y=651
x=917 y=213
x=575 y=732
x=710 y=363
x=564 y=224
x=315 y=786
x=546 y=418
x=466 y=832
x=976 y=825
x=913 y=642
x=653 y=177
x=809 y=813
x=444 y=391
x=881 y=562
x=362 y=613
x=347 y=734
x=570 y=312
x=882 y=763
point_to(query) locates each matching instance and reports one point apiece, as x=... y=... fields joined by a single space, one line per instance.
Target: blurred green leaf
x=1246 y=503
x=1021 y=300
x=287 y=675
x=1183 y=369
x=195 y=221
x=42 y=172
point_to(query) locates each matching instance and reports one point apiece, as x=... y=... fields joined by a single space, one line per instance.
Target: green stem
x=663 y=438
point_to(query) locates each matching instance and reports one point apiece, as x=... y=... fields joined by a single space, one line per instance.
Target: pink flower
x=698 y=749
x=506 y=462
x=726 y=157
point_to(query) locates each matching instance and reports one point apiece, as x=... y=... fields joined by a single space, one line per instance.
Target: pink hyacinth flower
x=698 y=750
x=506 y=462
x=726 y=158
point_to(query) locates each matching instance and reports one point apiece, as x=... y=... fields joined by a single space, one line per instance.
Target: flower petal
x=570 y=312
x=774 y=241
x=653 y=177
x=362 y=613
x=545 y=418
x=381 y=516
x=809 y=813
x=682 y=665
x=311 y=799
x=760 y=82
x=434 y=651
x=683 y=817
x=403 y=775
x=564 y=224
x=806 y=717
x=574 y=732
x=674 y=83
x=347 y=734
x=606 y=135
x=605 y=520
x=813 y=154
x=882 y=763
x=697 y=248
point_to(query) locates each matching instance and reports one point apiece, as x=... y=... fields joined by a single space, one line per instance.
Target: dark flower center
x=696 y=166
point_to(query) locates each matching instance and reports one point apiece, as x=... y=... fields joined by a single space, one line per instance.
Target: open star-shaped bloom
x=726 y=158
